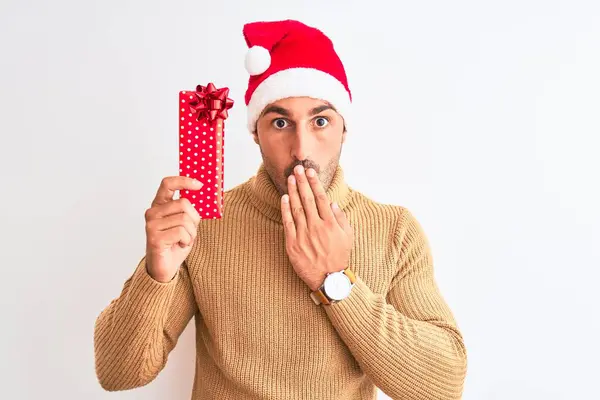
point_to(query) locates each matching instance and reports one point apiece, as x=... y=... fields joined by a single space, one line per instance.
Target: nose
x=302 y=146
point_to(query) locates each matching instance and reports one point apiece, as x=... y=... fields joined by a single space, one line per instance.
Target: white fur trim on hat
x=299 y=82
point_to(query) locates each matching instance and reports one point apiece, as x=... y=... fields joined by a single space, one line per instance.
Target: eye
x=321 y=122
x=280 y=123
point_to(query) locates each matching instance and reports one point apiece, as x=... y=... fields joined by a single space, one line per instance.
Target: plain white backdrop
x=481 y=117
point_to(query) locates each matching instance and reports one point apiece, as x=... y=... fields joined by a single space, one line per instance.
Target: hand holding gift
x=170 y=228
x=171 y=225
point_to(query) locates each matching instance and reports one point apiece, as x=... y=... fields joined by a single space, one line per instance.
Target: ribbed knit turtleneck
x=258 y=333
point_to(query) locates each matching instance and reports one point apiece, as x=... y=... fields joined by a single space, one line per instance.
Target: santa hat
x=290 y=59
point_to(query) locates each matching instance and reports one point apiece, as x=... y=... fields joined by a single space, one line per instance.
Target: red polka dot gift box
x=202 y=115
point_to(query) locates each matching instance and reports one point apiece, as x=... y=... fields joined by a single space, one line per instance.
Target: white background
x=480 y=117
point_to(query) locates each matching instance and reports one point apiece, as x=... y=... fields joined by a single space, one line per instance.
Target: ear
x=344 y=135
x=255 y=137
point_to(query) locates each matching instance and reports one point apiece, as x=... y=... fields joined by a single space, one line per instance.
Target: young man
x=305 y=289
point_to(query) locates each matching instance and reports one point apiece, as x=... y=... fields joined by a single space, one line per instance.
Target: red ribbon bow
x=211 y=102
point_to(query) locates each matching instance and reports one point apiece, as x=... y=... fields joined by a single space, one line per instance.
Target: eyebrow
x=286 y=113
x=322 y=108
x=277 y=110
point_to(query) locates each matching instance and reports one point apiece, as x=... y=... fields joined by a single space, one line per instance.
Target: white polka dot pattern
x=202 y=156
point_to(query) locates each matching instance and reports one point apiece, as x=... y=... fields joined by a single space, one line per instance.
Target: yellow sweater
x=258 y=333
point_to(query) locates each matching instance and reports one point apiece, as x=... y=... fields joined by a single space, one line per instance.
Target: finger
x=173 y=207
x=170 y=184
x=341 y=219
x=189 y=209
x=320 y=195
x=166 y=223
x=289 y=227
x=306 y=194
x=176 y=235
x=296 y=204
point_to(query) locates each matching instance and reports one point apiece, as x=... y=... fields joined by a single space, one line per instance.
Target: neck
x=265 y=196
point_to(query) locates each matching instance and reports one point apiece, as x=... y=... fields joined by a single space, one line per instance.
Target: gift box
x=202 y=114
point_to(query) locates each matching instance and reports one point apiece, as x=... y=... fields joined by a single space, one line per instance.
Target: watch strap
x=350 y=275
x=319 y=297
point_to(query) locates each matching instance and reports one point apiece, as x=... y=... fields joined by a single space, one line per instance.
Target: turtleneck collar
x=265 y=196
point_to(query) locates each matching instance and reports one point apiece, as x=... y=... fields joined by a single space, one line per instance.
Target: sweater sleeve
x=407 y=342
x=135 y=333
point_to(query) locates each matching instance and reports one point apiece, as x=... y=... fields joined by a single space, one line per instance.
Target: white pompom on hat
x=258 y=60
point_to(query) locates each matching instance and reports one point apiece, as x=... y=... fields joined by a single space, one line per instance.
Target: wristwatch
x=335 y=287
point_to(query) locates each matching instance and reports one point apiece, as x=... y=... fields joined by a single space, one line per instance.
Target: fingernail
x=300 y=169
x=292 y=179
x=285 y=198
x=310 y=172
x=334 y=205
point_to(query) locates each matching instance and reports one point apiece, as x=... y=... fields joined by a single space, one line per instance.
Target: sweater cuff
x=148 y=297
x=353 y=311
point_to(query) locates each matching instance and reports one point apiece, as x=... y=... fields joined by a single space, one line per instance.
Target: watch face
x=337 y=286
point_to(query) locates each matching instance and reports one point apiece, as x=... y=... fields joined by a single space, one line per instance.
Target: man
x=305 y=289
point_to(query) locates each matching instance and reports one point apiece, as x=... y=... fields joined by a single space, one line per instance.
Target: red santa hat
x=290 y=59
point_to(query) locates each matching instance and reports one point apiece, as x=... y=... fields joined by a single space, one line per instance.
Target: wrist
x=157 y=277
x=316 y=283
